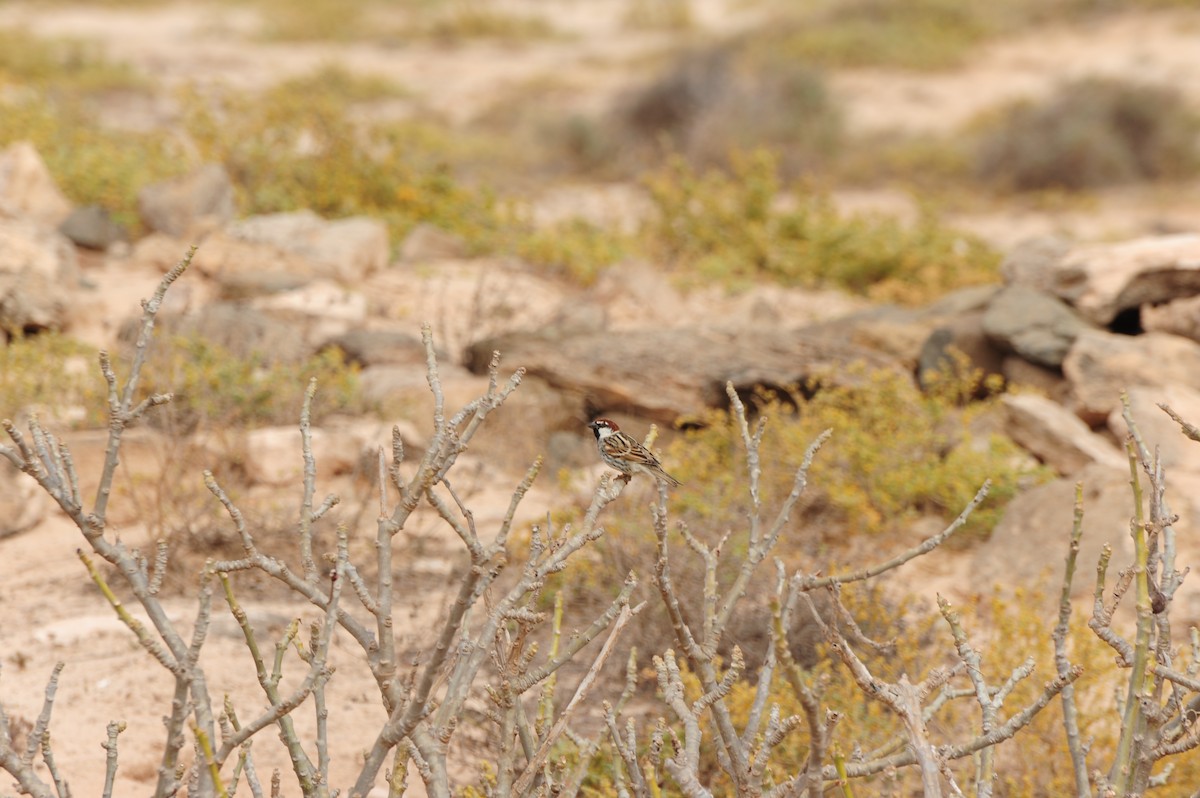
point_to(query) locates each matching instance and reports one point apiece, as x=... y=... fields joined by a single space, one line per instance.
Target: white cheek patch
x=603 y=432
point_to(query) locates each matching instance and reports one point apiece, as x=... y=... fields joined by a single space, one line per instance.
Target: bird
x=625 y=454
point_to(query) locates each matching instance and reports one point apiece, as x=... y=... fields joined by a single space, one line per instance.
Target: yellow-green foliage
x=913 y=34
x=315 y=20
x=297 y=146
x=743 y=226
x=896 y=454
x=53 y=87
x=472 y=19
x=575 y=248
x=60 y=64
x=47 y=371
x=215 y=387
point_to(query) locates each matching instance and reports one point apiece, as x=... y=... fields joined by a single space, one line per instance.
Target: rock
x=426 y=242
x=1034 y=325
x=964 y=335
x=37 y=267
x=1031 y=263
x=1020 y=372
x=242 y=330
x=273 y=455
x=177 y=207
x=340 y=446
x=30 y=303
x=347 y=250
x=377 y=347
x=1102 y=280
x=1056 y=436
x=29 y=247
x=27 y=189
x=91 y=227
x=1101 y=365
x=1027 y=549
x=22 y=503
x=235 y=285
x=324 y=308
x=1159 y=431
x=1178 y=317
x=667 y=374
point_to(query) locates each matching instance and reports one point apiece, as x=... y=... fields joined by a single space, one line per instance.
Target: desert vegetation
x=332 y=486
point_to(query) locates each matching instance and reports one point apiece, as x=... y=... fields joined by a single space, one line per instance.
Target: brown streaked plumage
x=625 y=454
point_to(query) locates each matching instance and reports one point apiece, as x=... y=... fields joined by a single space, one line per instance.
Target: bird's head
x=603 y=427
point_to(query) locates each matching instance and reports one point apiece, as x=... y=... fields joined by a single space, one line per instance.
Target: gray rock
x=241 y=329
x=1101 y=365
x=1102 y=280
x=1160 y=432
x=1020 y=372
x=380 y=347
x=1054 y=435
x=666 y=374
x=175 y=207
x=963 y=335
x=347 y=250
x=91 y=227
x=1028 y=547
x=1033 y=324
x=1031 y=263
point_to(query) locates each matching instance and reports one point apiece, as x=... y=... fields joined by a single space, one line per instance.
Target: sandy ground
x=52 y=611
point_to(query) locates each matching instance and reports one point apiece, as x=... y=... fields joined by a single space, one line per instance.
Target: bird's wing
x=623 y=447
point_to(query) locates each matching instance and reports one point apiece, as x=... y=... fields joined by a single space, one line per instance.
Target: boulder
x=1178 y=317
x=1032 y=324
x=26 y=247
x=664 y=375
x=1159 y=431
x=26 y=188
x=378 y=347
x=347 y=250
x=323 y=308
x=1031 y=263
x=1103 y=280
x=1018 y=371
x=1054 y=435
x=91 y=227
x=428 y=242
x=963 y=335
x=37 y=267
x=241 y=329
x=177 y=207
x=1101 y=365
x=1029 y=545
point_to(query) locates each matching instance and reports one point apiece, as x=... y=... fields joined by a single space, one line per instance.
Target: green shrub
x=574 y=248
x=50 y=372
x=56 y=86
x=297 y=146
x=739 y=227
x=60 y=64
x=896 y=455
x=1090 y=133
x=214 y=388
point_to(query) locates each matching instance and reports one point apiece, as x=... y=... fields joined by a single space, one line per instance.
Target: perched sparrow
x=625 y=454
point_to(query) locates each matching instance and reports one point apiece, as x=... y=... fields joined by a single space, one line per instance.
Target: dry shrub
x=1090 y=133
x=711 y=103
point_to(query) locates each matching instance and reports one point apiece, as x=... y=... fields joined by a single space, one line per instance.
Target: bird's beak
x=591 y=425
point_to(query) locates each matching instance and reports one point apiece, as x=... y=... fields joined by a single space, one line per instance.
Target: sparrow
x=625 y=454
